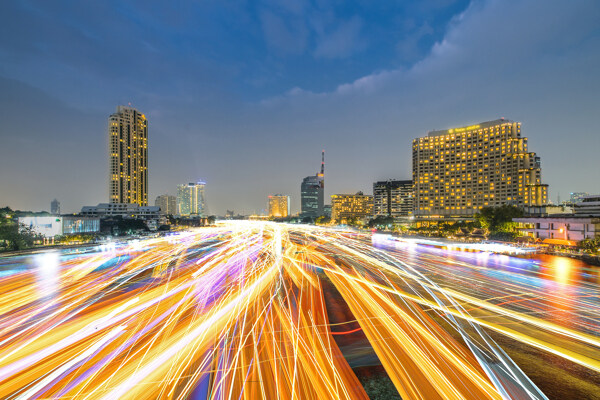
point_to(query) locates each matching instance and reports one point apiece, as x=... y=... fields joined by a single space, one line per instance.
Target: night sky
x=245 y=94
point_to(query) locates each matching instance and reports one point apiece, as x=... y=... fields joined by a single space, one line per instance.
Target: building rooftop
x=461 y=129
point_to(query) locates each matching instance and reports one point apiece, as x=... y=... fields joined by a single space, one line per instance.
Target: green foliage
x=589 y=245
x=381 y=222
x=497 y=221
x=12 y=235
x=323 y=220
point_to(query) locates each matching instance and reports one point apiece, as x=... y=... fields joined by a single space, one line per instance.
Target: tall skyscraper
x=55 y=207
x=345 y=207
x=128 y=159
x=312 y=192
x=190 y=199
x=393 y=198
x=279 y=206
x=167 y=204
x=458 y=171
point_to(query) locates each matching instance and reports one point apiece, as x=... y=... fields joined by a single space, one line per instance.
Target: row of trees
x=15 y=236
x=493 y=222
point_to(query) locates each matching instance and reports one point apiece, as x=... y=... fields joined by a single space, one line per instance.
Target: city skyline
x=343 y=89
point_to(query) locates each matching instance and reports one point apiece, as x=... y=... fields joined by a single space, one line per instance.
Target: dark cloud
x=249 y=108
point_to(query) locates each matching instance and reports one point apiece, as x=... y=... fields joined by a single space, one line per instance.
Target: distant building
x=51 y=226
x=588 y=205
x=345 y=207
x=393 y=198
x=55 y=207
x=190 y=199
x=327 y=210
x=124 y=210
x=167 y=204
x=312 y=192
x=128 y=158
x=456 y=172
x=576 y=197
x=279 y=206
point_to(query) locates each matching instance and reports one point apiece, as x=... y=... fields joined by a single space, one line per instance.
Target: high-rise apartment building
x=458 y=171
x=128 y=156
x=312 y=193
x=279 y=206
x=393 y=198
x=190 y=199
x=345 y=207
x=167 y=204
x=55 y=207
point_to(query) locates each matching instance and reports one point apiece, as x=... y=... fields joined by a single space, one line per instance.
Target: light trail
x=243 y=311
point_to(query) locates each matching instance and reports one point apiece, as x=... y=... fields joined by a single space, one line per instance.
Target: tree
x=323 y=220
x=498 y=221
x=589 y=245
x=381 y=222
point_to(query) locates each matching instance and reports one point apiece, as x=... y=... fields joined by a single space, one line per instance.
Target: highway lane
x=239 y=312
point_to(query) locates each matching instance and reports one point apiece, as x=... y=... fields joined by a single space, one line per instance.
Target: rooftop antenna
x=323 y=162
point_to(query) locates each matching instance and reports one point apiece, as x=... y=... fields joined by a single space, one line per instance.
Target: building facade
x=393 y=198
x=190 y=199
x=279 y=206
x=167 y=204
x=559 y=229
x=576 y=197
x=125 y=210
x=55 y=207
x=458 y=171
x=128 y=156
x=51 y=226
x=347 y=207
x=588 y=205
x=312 y=193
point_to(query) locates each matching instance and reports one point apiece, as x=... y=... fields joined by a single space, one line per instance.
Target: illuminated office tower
x=279 y=206
x=128 y=147
x=345 y=207
x=190 y=199
x=393 y=198
x=312 y=193
x=458 y=171
x=167 y=204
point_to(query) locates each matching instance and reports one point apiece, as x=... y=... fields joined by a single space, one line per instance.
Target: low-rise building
x=567 y=228
x=125 y=210
x=347 y=207
x=54 y=225
x=561 y=229
x=588 y=205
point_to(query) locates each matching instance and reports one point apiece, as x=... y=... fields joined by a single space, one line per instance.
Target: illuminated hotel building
x=279 y=206
x=190 y=199
x=128 y=148
x=351 y=206
x=458 y=171
x=393 y=198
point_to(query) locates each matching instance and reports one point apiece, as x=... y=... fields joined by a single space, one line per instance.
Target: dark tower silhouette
x=312 y=192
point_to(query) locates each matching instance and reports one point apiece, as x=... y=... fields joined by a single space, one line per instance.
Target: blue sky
x=245 y=94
